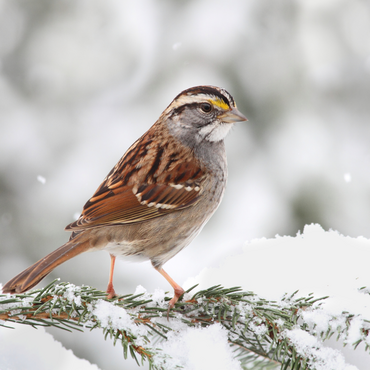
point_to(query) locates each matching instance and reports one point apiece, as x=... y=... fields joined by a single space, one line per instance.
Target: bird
x=159 y=195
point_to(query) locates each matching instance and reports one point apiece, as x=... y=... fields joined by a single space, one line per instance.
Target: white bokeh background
x=81 y=80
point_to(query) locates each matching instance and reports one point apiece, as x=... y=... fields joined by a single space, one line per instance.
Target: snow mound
x=324 y=263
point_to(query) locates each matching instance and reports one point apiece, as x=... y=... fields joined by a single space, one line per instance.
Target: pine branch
x=265 y=334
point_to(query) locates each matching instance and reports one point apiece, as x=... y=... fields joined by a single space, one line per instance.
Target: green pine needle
x=257 y=327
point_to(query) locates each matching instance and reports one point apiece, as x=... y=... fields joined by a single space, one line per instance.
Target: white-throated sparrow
x=159 y=195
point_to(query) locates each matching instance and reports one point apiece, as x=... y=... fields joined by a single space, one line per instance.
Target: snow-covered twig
x=265 y=334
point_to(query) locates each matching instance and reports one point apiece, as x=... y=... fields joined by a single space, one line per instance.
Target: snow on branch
x=285 y=334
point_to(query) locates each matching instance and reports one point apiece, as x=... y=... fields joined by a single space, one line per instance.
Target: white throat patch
x=216 y=131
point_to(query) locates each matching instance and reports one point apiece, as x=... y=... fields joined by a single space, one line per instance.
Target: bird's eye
x=206 y=107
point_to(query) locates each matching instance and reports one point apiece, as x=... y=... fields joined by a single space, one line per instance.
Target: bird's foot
x=178 y=293
x=110 y=291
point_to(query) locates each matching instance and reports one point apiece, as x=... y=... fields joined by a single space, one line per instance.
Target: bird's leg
x=110 y=289
x=176 y=287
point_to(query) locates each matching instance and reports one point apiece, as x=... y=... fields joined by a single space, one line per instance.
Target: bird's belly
x=158 y=245
x=159 y=241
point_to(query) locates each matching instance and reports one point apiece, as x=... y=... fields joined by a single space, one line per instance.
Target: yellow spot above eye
x=220 y=103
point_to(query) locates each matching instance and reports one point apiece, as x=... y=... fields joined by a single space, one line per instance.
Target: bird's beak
x=232 y=116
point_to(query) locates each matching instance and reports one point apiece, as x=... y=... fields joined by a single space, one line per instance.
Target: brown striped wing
x=145 y=184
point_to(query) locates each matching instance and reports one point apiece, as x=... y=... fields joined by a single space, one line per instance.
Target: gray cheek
x=185 y=131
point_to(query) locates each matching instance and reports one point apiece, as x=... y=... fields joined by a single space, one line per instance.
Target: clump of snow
x=158 y=298
x=199 y=349
x=27 y=348
x=256 y=327
x=140 y=290
x=355 y=330
x=70 y=294
x=26 y=302
x=324 y=263
x=321 y=262
x=319 y=320
x=115 y=317
x=323 y=358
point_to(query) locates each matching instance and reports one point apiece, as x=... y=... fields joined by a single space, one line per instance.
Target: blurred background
x=81 y=80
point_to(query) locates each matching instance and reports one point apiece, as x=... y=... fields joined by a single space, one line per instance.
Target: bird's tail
x=35 y=273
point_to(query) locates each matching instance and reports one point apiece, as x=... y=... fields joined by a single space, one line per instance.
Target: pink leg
x=110 y=289
x=176 y=287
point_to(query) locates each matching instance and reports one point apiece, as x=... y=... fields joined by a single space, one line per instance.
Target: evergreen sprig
x=260 y=331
